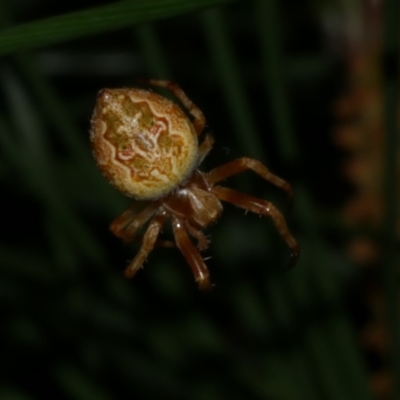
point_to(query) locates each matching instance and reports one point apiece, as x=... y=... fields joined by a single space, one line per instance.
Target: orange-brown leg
x=149 y=240
x=158 y=243
x=128 y=223
x=191 y=254
x=199 y=121
x=242 y=164
x=205 y=147
x=202 y=242
x=262 y=207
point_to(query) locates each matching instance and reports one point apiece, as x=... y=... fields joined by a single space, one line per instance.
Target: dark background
x=269 y=77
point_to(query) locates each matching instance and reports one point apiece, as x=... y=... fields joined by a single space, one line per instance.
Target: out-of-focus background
x=310 y=88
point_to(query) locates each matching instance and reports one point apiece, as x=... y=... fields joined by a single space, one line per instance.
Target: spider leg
x=199 y=121
x=126 y=225
x=262 y=207
x=191 y=254
x=149 y=240
x=242 y=164
x=205 y=147
x=158 y=243
x=202 y=242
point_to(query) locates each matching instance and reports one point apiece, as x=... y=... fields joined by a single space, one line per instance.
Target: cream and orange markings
x=142 y=142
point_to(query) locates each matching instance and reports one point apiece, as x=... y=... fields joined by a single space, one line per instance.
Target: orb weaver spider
x=147 y=147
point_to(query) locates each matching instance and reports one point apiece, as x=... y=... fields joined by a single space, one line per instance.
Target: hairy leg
x=149 y=240
x=191 y=254
x=199 y=121
x=242 y=164
x=262 y=207
x=202 y=242
x=128 y=223
x=205 y=147
x=158 y=243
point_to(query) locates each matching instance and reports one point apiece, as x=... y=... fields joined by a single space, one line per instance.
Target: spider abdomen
x=144 y=143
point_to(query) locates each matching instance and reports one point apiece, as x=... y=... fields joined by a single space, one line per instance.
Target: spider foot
x=294 y=256
x=130 y=272
x=286 y=187
x=135 y=265
x=289 y=190
x=204 y=282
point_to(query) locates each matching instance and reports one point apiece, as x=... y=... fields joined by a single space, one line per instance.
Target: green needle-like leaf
x=96 y=20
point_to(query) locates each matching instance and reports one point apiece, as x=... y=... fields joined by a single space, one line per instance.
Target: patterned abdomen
x=143 y=143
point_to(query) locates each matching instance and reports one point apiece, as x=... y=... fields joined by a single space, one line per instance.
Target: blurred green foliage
x=72 y=326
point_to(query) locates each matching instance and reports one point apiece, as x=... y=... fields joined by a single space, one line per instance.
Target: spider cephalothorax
x=148 y=148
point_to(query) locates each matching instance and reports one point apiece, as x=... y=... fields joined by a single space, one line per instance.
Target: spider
x=147 y=147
